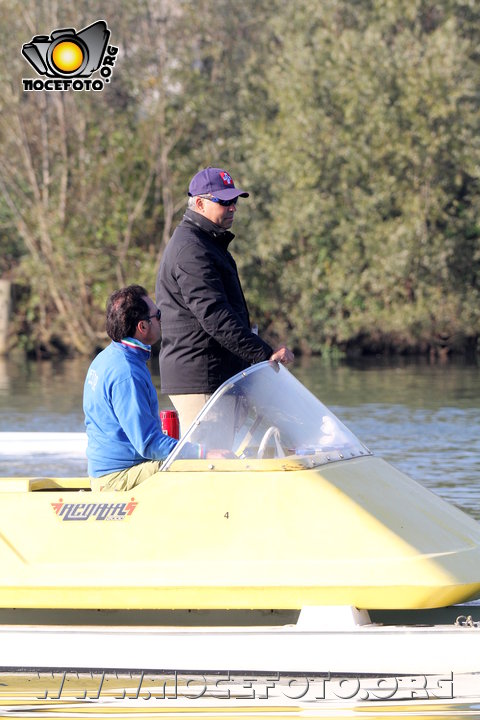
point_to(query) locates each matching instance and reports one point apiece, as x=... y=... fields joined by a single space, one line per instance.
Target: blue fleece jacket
x=121 y=410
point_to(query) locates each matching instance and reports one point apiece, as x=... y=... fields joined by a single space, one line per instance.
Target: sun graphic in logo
x=67 y=56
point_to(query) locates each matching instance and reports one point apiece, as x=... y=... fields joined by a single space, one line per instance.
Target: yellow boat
x=289 y=524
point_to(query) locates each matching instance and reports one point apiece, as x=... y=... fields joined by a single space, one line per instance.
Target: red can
x=170 y=424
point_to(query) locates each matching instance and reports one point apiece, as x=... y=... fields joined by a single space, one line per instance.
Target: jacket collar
x=193 y=218
x=134 y=345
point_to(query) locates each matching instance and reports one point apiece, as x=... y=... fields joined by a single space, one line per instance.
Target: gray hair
x=191 y=202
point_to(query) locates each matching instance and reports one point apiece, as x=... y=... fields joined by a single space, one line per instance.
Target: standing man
x=125 y=439
x=206 y=333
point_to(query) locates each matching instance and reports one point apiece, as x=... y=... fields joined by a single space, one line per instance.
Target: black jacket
x=206 y=336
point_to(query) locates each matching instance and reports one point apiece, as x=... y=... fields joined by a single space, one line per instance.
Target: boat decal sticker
x=94 y=511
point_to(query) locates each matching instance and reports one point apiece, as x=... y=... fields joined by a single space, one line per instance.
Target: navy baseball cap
x=216 y=182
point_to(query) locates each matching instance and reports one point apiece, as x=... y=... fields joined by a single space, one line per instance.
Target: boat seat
x=43 y=483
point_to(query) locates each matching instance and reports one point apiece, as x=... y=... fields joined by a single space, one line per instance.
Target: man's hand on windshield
x=283 y=355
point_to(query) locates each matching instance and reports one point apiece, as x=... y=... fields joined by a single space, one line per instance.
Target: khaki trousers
x=128 y=478
x=188 y=407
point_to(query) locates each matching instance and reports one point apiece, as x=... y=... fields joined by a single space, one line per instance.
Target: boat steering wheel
x=274 y=432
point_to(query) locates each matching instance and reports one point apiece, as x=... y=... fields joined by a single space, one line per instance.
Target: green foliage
x=355 y=125
x=369 y=142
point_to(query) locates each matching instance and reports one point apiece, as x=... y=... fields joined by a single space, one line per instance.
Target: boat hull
x=199 y=536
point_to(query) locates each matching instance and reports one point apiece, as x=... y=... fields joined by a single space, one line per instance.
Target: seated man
x=125 y=439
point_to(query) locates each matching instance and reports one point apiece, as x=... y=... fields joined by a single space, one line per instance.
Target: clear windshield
x=262 y=413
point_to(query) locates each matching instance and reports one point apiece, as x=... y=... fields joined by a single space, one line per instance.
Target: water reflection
x=42 y=396
x=412 y=382
x=4 y=376
x=164 y=695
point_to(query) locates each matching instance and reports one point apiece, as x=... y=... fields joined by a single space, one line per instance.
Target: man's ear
x=199 y=204
x=142 y=327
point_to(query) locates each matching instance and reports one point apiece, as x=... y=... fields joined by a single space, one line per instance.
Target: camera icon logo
x=69 y=54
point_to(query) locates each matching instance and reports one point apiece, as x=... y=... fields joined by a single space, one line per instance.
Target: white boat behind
x=325 y=640
x=60 y=444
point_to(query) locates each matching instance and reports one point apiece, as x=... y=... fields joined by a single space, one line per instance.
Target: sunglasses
x=223 y=203
x=157 y=315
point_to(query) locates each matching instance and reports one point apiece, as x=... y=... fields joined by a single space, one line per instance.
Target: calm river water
x=424 y=418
